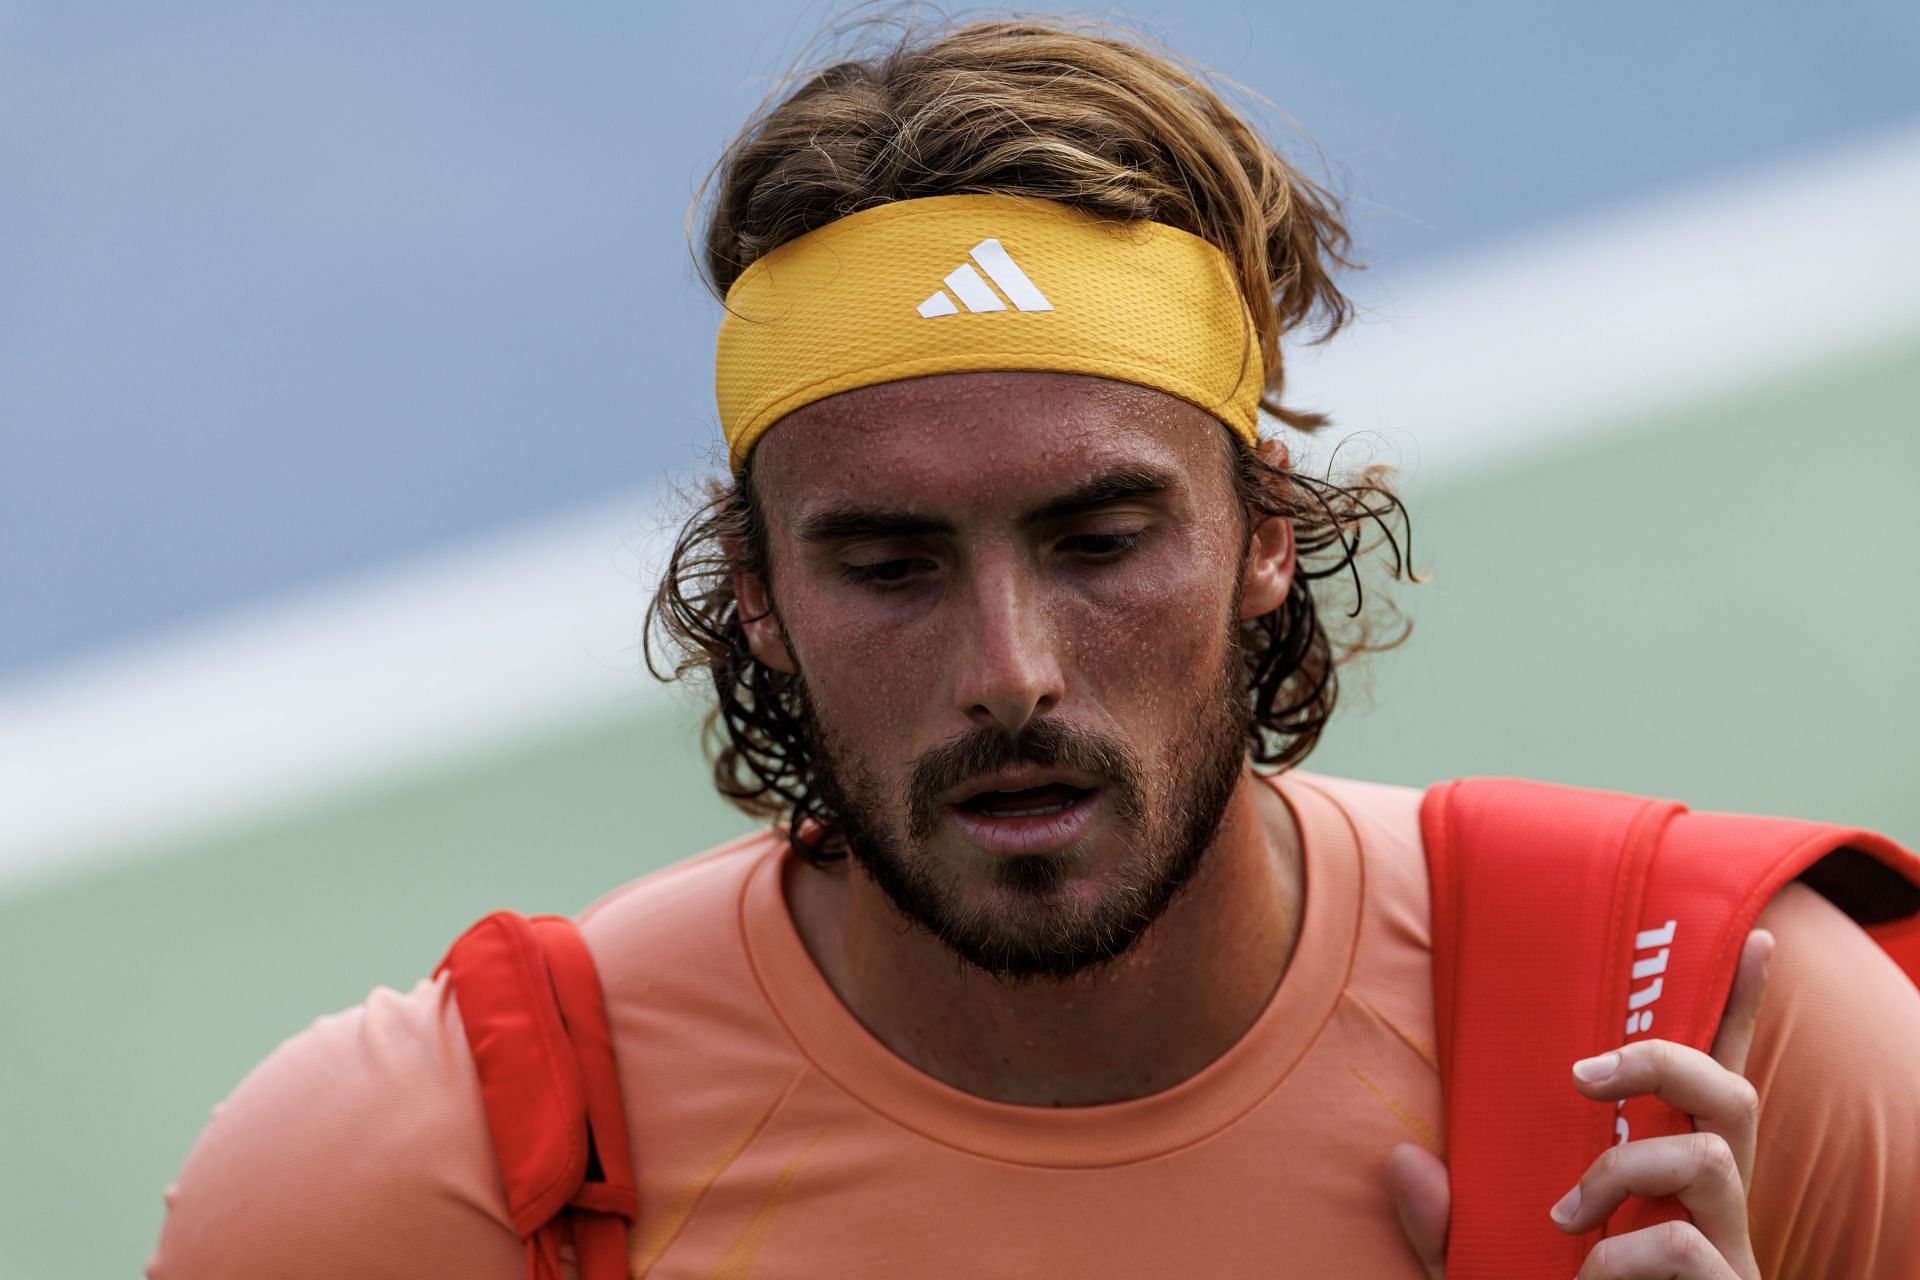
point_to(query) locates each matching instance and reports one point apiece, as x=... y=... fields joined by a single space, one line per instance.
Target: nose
x=1009 y=669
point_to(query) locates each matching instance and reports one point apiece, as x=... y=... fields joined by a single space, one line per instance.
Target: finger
x=1697 y=1167
x=1720 y=1101
x=1735 y=1037
x=1418 y=1180
x=1667 y=1251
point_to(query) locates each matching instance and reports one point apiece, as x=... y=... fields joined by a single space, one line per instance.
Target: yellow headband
x=957 y=284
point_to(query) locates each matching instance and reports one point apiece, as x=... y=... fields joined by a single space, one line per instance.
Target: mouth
x=1026 y=820
x=1027 y=802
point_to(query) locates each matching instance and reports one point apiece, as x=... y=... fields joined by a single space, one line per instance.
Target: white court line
x=1487 y=357
x=429 y=660
x=1517 y=349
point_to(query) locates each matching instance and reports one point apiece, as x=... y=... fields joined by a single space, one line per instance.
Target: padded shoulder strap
x=536 y=1024
x=1566 y=922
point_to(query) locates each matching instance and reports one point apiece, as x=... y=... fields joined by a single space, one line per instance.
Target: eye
x=885 y=573
x=1103 y=546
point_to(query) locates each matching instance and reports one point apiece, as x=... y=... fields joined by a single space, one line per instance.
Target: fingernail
x=1594 y=1070
x=1568 y=1206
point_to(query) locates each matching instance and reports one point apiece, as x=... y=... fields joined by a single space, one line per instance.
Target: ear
x=764 y=637
x=1268 y=573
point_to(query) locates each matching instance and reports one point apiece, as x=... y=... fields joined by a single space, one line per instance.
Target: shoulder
x=1385 y=819
x=686 y=995
x=1391 y=974
x=1837 y=1163
x=359 y=1147
x=1834 y=999
x=683 y=921
x=704 y=884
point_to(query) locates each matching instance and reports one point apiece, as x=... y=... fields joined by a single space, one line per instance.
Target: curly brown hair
x=1111 y=124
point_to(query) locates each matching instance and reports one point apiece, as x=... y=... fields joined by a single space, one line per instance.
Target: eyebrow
x=844 y=522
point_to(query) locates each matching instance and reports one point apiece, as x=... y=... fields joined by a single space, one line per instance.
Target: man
x=1035 y=974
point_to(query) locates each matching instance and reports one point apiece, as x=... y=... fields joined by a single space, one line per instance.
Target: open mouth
x=1029 y=802
x=999 y=815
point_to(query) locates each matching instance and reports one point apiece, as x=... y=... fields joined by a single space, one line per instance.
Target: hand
x=1709 y=1169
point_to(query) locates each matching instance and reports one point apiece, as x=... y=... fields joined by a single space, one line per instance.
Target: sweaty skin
x=993 y=619
x=773 y=1126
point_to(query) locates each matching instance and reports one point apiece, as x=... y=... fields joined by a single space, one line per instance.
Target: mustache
x=1043 y=743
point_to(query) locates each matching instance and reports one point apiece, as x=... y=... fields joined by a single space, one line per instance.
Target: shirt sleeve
x=1836 y=1181
x=358 y=1148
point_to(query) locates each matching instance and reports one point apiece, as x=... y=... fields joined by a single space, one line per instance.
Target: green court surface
x=1717 y=604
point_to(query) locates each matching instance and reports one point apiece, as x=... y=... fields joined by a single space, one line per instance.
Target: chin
x=1045 y=916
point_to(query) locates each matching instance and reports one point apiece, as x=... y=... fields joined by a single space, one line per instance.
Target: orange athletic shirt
x=774 y=1136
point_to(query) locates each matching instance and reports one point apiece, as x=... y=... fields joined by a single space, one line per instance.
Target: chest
x=824 y=1186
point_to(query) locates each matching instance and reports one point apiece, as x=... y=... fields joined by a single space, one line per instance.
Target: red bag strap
x=1566 y=922
x=536 y=1023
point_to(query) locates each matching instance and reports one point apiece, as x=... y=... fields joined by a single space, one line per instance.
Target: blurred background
x=352 y=370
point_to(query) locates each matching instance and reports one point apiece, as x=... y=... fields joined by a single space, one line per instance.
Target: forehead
x=979 y=441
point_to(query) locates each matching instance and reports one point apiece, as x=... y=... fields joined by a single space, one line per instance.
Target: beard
x=1035 y=935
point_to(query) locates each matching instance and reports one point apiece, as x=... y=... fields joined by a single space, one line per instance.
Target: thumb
x=1418 y=1180
x=1735 y=1036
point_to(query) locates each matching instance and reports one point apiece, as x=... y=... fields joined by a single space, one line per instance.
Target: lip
x=1019 y=778
x=1039 y=833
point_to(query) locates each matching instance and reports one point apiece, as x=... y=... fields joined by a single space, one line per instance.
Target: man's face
x=1013 y=600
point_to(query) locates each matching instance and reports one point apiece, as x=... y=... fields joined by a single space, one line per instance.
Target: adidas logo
x=973 y=291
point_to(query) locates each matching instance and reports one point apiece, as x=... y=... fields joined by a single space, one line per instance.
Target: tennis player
x=1050 y=961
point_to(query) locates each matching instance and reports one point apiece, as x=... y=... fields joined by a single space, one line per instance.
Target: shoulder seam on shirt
x=1427 y=1053
x=650 y=1246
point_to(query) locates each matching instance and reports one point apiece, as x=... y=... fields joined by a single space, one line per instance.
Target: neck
x=1176 y=1001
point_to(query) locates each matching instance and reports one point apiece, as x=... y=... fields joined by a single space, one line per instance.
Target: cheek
x=862 y=669
x=1146 y=641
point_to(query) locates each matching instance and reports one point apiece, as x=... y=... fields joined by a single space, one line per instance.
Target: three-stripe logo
x=973 y=292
